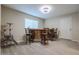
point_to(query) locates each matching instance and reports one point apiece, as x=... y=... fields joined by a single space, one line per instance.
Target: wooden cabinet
x=37 y=32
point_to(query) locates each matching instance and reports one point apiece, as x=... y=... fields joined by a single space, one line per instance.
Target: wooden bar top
x=37 y=29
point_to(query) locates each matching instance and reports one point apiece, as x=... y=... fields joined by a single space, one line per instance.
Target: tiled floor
x=59 y=47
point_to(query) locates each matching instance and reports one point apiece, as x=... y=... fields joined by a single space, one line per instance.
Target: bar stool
x=32 y=35
x=44 y=36
x=28 y=35
x=52 y=34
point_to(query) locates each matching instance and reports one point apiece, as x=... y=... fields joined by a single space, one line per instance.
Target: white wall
x=75 y=26
x=67 y=25
x=52 y=23
x=0 y=21
x=0 y=27
x=63 y=23
x=17 y=18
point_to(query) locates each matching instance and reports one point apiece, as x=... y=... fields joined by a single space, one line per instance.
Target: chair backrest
x=27 y=30
x=52 y=30
x=32 y=33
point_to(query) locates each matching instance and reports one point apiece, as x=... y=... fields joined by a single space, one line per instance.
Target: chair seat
x=28 y=34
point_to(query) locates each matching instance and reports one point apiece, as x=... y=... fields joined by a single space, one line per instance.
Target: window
x=31 y=23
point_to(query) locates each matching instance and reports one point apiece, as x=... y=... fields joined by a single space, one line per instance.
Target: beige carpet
x=59 y=47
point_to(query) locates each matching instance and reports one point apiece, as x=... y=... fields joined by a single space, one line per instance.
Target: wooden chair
x=28 y=35
x=53 y=34
x=32 y=35
x=56 y=33
x=44 y=36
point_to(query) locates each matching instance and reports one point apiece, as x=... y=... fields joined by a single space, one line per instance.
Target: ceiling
x=57 y=9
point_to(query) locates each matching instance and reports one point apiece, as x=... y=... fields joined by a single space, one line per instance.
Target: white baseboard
x=70 y=39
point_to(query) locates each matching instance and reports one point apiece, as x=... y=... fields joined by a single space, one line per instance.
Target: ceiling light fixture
x=45 y=9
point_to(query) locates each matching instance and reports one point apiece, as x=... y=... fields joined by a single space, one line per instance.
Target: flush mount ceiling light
x=45 y=9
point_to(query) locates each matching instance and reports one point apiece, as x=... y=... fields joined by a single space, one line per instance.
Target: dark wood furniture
x=32 y=35
x=28 y=35
x=36 y=34
x=41 y=35
x=44 y=36
x=53 y=34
